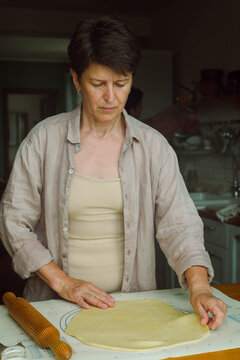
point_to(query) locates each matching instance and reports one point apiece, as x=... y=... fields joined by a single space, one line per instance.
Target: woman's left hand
x=202 y=299
x=203 y=302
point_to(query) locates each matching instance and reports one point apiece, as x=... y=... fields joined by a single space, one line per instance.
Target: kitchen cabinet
x=236 y=257
x=220 y=262
x=165 y=276
x=222 y=241
x=217 y=245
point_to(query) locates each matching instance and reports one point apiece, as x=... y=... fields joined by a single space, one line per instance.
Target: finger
x=89 y=299
x=218 y=310
x=200 y=310
x=83 y=303
x=94 y=296
x=94 y=300
x=219 y=313
x=107 y=299
x=102 y=296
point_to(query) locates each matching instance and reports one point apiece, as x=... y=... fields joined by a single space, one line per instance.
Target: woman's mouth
x=108 y=108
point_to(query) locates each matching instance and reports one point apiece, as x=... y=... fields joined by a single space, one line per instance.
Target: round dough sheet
x=136 y=325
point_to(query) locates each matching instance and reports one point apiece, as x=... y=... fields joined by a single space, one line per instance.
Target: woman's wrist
x=53 y=276
x=197 y=279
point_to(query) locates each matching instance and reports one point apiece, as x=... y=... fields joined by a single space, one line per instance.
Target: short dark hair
x=134 y=98
x=106 y=41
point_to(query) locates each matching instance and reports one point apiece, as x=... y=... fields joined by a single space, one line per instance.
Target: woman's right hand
x=85 y=294
x=80 y=292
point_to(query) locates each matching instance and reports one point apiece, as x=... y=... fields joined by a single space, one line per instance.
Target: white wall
x=154 y=78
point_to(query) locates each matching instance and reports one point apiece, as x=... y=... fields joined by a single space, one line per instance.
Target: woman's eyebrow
x=102 y=80
x=125 y=79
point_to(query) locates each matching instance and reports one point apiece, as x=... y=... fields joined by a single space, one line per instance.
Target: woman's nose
x=109 y=95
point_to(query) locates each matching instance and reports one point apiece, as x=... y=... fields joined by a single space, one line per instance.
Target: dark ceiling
x=93 y=6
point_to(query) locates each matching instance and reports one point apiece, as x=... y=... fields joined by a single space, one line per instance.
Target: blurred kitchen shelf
x=195 y=152
x=229 y=122
x=215 y=100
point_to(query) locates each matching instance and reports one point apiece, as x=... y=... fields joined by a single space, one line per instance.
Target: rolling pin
x=37 y=326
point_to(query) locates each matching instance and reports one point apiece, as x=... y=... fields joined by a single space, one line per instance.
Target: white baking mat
x=59 y=312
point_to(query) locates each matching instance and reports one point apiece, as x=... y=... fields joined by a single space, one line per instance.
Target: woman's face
x=104 y=93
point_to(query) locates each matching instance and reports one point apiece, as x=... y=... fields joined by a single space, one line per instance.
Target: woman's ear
x=75 y=80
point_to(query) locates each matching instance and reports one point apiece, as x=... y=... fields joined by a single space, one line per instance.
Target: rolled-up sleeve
x=179 y=228
x=20 y=211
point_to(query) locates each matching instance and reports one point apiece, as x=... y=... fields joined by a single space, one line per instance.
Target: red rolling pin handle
x=37 y=326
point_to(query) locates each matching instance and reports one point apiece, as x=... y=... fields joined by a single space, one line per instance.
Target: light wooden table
x=233 y=291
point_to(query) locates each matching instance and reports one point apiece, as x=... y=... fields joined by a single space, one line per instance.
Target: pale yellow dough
x=136 y=325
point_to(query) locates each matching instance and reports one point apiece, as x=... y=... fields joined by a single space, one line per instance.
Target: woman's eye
x=97 y=85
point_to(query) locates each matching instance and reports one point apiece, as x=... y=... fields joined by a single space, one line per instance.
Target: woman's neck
x=103 y=128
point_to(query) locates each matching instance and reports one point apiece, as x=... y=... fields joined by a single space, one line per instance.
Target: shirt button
x=64 y=255
x=77 y=147
x=65 y=228
x=129 y=252
x=70 y=171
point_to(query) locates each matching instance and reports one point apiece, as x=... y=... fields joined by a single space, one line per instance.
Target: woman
x=88 y=189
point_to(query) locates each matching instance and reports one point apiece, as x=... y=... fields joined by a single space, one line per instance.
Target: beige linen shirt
x=34 y=207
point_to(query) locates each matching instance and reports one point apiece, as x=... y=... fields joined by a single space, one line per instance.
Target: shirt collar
x=132 y=130
x=73 y=135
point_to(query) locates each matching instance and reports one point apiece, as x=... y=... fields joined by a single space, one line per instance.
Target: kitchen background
x=192 y=35
x=180 y=39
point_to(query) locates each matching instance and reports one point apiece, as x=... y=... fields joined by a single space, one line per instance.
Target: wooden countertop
x=233 y=291
x=211 y=214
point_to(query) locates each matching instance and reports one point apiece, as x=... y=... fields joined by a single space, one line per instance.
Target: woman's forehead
x=98 y=71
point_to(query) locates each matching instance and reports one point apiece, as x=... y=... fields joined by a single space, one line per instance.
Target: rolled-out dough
x=136 y=325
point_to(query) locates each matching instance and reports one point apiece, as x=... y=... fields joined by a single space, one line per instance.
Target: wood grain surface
x=37 y=326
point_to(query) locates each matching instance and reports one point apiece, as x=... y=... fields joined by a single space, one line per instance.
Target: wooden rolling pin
x=37 y=326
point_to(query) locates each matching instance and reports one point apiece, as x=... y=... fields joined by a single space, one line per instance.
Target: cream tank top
x=96 y=231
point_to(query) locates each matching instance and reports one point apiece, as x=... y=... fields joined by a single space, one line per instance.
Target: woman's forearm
x=197 y=278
